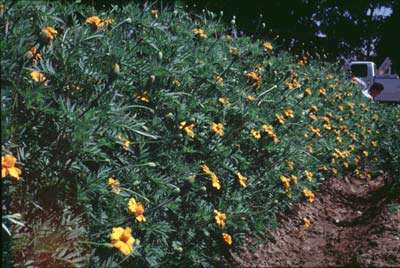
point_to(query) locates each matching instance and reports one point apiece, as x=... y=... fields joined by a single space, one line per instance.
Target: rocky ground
x=352 y=224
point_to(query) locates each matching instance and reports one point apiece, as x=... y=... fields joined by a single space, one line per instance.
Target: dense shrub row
x=147 y=137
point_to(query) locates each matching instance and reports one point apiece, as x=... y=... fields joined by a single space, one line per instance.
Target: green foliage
x=112 y=106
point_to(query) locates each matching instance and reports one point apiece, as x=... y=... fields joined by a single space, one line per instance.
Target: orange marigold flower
x=285 y=182
x=307 y=92
x=48 y=34
x=215 y=181
x=254 y=77
x=220 y=218
x=34 y=55
x=227 y=238
x=136 y=209
x=123 y=240
x=250 y=98
x=267 y=46
x=219 y=80
x=143 y=97
x=8 y=167
x=206 y=169
x=289 y=113
x=234 y=51
x=218 y=128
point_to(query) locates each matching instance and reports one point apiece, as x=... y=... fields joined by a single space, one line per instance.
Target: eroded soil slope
x=352 y=223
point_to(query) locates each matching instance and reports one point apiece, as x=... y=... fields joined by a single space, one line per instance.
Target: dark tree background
x=341 y=29
x=357 y=29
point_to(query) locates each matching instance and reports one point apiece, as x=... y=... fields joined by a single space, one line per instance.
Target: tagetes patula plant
x=122 y=239
x=136 y=209
x=8 y=167
x=48 y=34
x=220 y=218
x=217 y=128
x=227 y=238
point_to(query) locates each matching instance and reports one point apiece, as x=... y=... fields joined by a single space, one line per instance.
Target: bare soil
x=352 y=224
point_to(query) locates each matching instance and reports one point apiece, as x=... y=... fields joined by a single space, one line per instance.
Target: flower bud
x=116 y=69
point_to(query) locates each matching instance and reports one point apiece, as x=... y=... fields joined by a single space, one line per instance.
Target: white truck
x=377 y=84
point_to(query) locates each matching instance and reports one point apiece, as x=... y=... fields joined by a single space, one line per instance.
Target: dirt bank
x=352 y=223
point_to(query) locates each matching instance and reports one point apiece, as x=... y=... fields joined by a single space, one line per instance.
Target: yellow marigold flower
x=122 y=240
x=218 y=128
x=234 y=51
x=215 y=182
x=254 y=78
x=307 y=92
x=309 y=175
x=255 y=133
x=242 y=179
x=219 y=80
x=322 y=91
x=220 y=218
x=290 y=165
x=223 y=100
x=199 y=33
x=374 y=143
x=293 y=83
x=48 y=34
x=267 y=46
x=316 y=131
x=38 y=76
x=136 y=209
x=114 y=184
x=289 y=113
x=227 y=238
x=280 y=119
x=307 y=222
x=125 y=142
x=285 y=182
x=268 y=128
x=294 y=179
x=154 y=13
x=309 y=195
x=143 y=97
x=8 y=167
x=250 y=98
x=188 y=128
x=365 y=153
